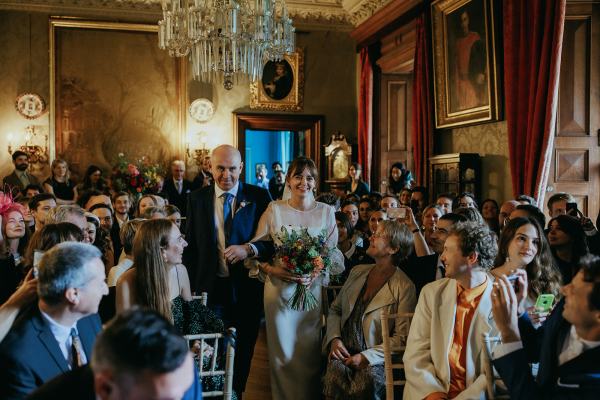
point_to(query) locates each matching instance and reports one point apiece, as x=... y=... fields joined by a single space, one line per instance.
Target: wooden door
x=395 y=123
x=575 y=160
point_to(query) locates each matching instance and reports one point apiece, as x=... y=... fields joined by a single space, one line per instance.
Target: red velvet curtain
x=422 y=111
x=365 y=123
x=533 y=32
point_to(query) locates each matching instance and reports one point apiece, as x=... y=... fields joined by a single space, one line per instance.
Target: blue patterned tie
x=227 y=217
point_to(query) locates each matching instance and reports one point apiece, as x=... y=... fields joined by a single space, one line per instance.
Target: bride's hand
x=282 y=274
x=305 y=280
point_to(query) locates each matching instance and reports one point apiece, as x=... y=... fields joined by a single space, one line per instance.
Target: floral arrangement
x=304 y=255
x=137 y=178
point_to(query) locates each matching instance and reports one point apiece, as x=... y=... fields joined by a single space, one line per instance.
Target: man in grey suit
x=20 y=178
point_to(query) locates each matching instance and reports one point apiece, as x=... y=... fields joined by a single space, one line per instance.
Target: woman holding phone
x=523 y=247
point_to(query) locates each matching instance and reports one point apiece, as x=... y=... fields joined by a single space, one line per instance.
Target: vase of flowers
x=137 y=178
x=304 y=255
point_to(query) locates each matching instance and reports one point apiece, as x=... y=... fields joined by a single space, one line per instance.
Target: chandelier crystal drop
x=227 y=41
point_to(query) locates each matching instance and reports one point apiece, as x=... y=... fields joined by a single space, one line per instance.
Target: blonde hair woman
x=60 y=184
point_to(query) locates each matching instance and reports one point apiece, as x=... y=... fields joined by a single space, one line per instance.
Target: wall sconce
x=198 y=154
x=35 y=153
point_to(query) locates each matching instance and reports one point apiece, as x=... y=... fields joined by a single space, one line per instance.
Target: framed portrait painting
x=466 y=76
x=126 y=96
x=282 y=85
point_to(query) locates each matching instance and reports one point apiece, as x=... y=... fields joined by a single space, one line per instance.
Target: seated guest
x=48 y=237
x=356 y=185
x=174 y=214
x=489 y=212
x=57 y=334
x=442 y=357
x=364 y=212
x=505 y=210
x=354 y=340
x=157 y=279
x=466 y=200
x=557 y=204
x=329 y=198
x=138 y=356
x=204 y=177
x=107 y=220
x=351 y=210
x=389 y=201
x=445 y=200
x=90 y=198
x=20 y=178
x=405 y=196
x=13 y=238
x=377 y=216
x=21 y=298
x=121 y=204
x=527 y=210
x=154 y=213
x=144 y=202
x=176 y=187
x=567 y=346
x=567 y=242
x=353 y=254
x=99 y=237
x=92 y=180
x=60 y=183
x=69 y=213
x=418 y=199
x=32 y=189
x=431 y=216
x=39 y=206
x=523 y=247
x=160 y=200
x=27 y=216
x=128 y=231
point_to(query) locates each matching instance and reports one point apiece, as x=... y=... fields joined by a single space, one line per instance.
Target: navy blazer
x=175 y=198
x=201 y=255
x=30 y=356
x=545 y=345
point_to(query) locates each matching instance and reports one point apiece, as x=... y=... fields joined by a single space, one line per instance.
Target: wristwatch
x=250 y=250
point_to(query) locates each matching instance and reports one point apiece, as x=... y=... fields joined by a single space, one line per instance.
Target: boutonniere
x=243 y=204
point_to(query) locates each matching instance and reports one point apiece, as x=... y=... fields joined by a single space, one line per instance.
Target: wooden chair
x=203 y=298
x=393 y=357
x=328 y=295
x=495 y=387
x=216 y=341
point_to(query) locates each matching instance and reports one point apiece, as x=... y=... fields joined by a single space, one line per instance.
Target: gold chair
x=391 y=355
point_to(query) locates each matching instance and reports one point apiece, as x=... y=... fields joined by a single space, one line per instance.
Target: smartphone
x=572 y=209
x=514 y=280
x=544 y=302
x=396 y=213
x=37 y=257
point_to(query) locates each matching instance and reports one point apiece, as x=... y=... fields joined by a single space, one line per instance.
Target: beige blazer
x=397 y=295
x=426 y=356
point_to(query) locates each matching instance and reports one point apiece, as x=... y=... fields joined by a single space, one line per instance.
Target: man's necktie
x=76 y=350
x=179 y=186
x=227 y=217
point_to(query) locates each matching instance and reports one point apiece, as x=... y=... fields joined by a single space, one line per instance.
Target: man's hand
x=410 y=220
x=357 y=361
x=337 y=350
x=504 y=308
x=236 y=253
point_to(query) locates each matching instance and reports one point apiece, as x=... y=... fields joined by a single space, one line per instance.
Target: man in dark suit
x=220 y=217
x=204 y=177
x=139 y=355
x=58 y=333
x=20 y=178
x=567 y=345
x=177 y=188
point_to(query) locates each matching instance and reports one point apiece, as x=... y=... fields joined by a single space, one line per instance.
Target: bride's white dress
x=294 y=337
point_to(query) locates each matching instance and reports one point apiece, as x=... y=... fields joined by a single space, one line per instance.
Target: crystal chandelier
x=227 y=41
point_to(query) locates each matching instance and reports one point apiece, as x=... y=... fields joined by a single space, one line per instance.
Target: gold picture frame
x=133 y=102
x=282 y=85
x=466 y=78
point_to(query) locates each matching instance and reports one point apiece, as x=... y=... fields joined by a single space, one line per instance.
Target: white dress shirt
x=223 y=269
x=62 y=334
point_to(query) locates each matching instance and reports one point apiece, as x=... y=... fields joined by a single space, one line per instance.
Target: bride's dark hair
x=300 y=164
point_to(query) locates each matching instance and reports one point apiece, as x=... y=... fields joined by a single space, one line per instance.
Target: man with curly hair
x=444 y=348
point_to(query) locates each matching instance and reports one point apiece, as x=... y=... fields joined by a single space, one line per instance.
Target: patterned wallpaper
x=491 y=142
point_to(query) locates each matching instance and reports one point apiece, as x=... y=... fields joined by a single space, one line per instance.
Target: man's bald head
x=226 y=166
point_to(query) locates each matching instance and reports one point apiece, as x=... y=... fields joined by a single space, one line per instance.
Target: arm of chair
x=334 y=321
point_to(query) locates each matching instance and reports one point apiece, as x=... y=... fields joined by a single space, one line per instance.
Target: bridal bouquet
x=305 y=255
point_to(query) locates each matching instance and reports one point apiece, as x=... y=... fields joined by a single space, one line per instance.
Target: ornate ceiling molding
x=361 y=10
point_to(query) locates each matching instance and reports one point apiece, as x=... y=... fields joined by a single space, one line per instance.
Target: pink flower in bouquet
x=132 y=170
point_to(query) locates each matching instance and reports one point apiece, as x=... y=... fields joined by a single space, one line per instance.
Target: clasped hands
x=339 y=352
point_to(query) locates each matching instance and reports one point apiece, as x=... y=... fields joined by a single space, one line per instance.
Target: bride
x=294 y=341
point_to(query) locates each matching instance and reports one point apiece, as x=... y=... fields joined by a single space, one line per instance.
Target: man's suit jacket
x=175 y=198
x=421 y=270
x=78 y=384
x=545 y=345
x=30 y=355
x=430 y=339
x=201 y=254
x=15 y=183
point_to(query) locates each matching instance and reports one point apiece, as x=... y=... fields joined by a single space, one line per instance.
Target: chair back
x=203 y=298
x=328 y=295
x=392 y=358
x=495 y=387
x=207 y=349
